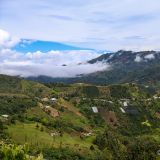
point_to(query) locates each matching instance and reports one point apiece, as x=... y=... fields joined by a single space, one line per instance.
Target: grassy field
x=28 y=133
x=37 y=112
x=70 y=115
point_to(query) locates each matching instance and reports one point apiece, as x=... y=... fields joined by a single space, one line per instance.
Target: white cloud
x=32 y=69
x=149 y=56
x=6 y=41
x=138 y=58
x=49 y=64
x=62 y=57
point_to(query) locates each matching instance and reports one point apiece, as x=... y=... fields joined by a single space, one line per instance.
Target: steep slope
x=127 y=66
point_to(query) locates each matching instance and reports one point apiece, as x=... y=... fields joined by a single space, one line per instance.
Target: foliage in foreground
x=16 y=152
x=119 y=147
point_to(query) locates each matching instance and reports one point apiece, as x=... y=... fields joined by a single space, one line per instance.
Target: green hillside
x=81 y=121
x=15 y=85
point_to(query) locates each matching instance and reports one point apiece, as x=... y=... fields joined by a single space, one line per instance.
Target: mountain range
x=121 y=67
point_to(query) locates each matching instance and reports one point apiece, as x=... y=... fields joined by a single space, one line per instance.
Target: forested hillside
x=78 y=121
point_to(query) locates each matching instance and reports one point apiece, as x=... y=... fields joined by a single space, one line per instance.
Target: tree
x=41 y=129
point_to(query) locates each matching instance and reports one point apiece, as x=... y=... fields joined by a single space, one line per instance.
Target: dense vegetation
x=15 y=104
x=126 y=125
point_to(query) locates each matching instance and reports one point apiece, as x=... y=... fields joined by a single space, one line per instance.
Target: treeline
x=14 y=104
x=117 y=147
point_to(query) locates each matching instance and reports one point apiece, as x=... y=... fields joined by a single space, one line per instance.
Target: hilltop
x=17 y=85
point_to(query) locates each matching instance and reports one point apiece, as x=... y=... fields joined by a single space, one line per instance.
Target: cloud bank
x=53 y=63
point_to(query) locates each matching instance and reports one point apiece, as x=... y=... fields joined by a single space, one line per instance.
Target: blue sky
x=26 y=46
x=97 y=24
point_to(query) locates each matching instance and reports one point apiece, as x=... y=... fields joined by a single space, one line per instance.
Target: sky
x=98 y=24
x=76 y=31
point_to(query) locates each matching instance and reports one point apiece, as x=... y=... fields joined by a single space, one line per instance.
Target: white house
x=125 y=104
x=5 y=116
x=53 y=99
x=95 y=109
x=123 y=111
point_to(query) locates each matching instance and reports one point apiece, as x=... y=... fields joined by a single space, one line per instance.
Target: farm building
x=53 y=99
x=95 y=109
x=123 y=111
x=5 y=116
x=125 y=104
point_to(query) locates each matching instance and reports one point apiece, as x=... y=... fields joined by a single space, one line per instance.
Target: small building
x=5 y=116
x=53 y=99
x=125 y=104
x=123 y=111
x=95 y=109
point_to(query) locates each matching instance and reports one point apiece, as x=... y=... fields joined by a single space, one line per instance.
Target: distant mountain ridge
x=125 y=66
x=127 y=57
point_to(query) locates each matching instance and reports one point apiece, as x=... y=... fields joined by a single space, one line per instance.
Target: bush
x=15 y=152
